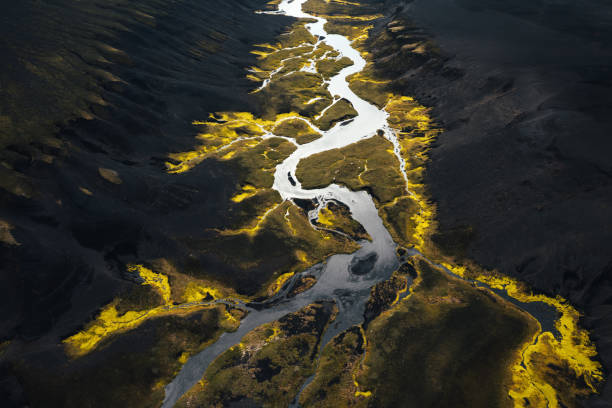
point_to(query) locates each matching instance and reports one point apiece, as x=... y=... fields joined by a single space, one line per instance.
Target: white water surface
x=335 y=280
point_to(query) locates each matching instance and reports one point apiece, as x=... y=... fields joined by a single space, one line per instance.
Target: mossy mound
x=130 y=371
x=298 y=129
x=447 y=344
x=339 y=111
x=334 y=385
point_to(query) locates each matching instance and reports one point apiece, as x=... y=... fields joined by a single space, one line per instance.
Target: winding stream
x=335 y=281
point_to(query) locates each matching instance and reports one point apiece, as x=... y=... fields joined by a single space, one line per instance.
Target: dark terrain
x=112 y=85
x=522 y=174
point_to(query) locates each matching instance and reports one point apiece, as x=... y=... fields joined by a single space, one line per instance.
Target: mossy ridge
x=370 y=89
x=269 y=365
x=295 y=92
x=262 y=157
x=120 y=374
x=226 y=134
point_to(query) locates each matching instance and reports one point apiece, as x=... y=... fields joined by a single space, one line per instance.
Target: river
x=335 y=281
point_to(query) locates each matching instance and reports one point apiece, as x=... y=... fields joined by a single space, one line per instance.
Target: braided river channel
x=376 y=259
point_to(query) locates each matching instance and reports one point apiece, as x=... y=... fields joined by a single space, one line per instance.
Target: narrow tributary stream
x=335 y=281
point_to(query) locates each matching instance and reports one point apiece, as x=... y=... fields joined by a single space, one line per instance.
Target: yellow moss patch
x=107 y=323
x=247 y=192
x=326 y=217
x=302 y=256
x=354 y=18
x=183 y=358
x=573 y=354
x=228 y=135
x=297 y=128
x=197 y=291
x=217 y=134
x=277 y=285
x=156 y=280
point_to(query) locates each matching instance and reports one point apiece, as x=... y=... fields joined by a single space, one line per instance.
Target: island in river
x=290 y=254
